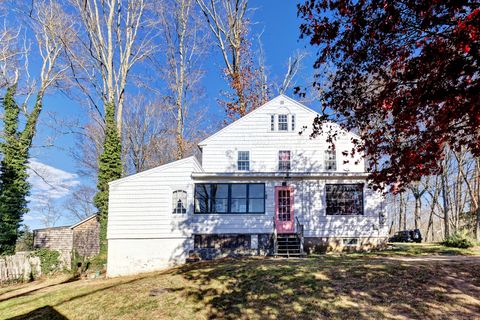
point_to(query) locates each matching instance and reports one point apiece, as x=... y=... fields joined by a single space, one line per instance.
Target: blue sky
x=277 y=23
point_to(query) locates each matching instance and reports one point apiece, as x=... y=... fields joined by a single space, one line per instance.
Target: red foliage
x=407 y=79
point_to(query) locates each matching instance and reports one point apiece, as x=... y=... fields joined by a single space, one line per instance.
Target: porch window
x=179 y=201
x=219 y=197
x=238 y=203
x=284 y=160
x=243 y=160
x=344 y=199
x=330 y=160
x=229 y=198
x=282 y=122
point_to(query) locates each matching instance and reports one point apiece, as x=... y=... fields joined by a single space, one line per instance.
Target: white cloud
x=49 y=183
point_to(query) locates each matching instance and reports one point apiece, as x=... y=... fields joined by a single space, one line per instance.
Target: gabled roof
x=159 y=168
x=83 y=221
x=241 y=120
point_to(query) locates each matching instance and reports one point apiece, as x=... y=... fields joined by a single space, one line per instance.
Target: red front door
x=284 y=209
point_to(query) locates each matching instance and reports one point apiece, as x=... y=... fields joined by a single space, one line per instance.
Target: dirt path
x=433 y=258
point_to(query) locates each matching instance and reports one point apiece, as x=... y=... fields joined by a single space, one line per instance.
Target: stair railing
x=299 y=231
x=275 y=240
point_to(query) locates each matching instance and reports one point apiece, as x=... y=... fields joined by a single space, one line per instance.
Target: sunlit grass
x=353 y=286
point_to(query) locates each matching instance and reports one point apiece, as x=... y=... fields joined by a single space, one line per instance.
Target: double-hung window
x=344 y=199
x=229 y=198
x=330 y=160
x=243 y=161
x=284 y=160
x=283 y=122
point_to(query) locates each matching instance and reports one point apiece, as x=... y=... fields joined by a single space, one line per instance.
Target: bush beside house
x=81 y=238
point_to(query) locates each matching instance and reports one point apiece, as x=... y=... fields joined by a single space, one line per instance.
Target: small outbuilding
x=83 y=238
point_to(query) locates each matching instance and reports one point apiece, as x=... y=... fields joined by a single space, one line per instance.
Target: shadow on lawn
x=29 y=292
x=42 y=313
x=332 y=287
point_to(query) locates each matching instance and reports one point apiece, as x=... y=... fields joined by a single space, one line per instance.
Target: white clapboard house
x=261 y=188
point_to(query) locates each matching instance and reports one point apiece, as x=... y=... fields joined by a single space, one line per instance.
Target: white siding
x=143 y=234
x=141 y=206
x=252 y=133
x=309 y=207
x=131 y=256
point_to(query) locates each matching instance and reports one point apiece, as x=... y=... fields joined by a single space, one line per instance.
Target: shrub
x=459 y=239
x=49 y=260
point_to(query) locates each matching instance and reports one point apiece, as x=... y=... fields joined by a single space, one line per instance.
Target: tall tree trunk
x=403 y=214
x=477 y=216
x=446 y=216
x=418 y=205
x=14 y=187
x=109 y=169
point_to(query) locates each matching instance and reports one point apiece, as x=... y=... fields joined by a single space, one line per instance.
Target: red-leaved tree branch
x=406 y=78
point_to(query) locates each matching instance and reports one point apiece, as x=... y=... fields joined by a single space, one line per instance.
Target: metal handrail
x=275 y=241
x=299 y=229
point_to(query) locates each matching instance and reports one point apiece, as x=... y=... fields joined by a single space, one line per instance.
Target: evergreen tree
x=25 y=239
x=14 y=187
x=109 y=169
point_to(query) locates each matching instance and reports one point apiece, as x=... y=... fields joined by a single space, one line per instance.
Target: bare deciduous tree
x=115 y=38
x=229 y=24
x=293 y=67
x=79 y=203
x=49 y=215
x=185 y=45
x=148 y=137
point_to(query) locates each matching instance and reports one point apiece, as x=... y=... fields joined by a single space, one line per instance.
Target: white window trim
x=325 y=160
x=249 y=160
x=334 y=216
x=187 y=189
x=278 y=122
x=278 y=160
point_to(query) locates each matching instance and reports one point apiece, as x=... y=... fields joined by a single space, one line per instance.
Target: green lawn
x=351 y=286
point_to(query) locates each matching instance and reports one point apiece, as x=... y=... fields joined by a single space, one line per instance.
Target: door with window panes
x=284 y=222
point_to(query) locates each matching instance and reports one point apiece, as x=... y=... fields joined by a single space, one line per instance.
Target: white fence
x=20 y=267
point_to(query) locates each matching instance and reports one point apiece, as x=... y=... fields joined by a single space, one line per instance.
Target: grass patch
x=352 y=286
x=424 y=249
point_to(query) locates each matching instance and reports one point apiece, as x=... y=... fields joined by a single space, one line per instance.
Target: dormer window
x=283 y=122
x=330 y=160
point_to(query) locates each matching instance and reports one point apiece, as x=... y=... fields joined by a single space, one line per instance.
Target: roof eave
x=281 y=175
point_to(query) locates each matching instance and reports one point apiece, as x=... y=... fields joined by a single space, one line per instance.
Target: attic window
x=282 y=122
